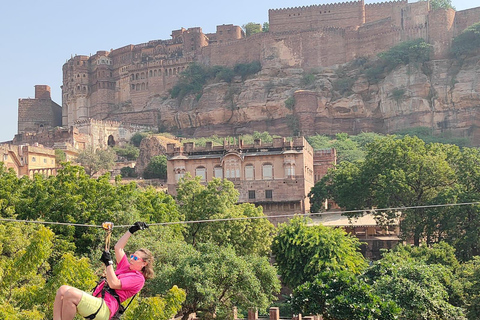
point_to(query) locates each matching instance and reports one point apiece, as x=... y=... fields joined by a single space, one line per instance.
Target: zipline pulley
x=108 y=227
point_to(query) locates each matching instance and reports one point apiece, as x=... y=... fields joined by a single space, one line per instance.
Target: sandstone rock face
x=151 y=146
x=443 y=95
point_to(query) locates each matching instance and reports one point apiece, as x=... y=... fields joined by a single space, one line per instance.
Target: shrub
x=290 y=103
x=156 y=168
x=467 y=42
x=128 y=172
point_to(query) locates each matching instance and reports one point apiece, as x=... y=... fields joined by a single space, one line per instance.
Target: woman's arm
x=121 y=243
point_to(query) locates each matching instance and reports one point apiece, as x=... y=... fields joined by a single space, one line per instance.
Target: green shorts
x=90 y=304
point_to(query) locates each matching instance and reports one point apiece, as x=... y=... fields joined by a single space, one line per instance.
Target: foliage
x=265 y=27
x=216 y=279
x=397 y=94
x=342 y=295
x=344 y=85
x=302 y=251
x=414 y=51
x=421 y=287
x=252 y=28
x=196 y=76
x=467 y=43
x=156 y=168
x=217 y=200
x=246 y=69
x=128 y=152
x=128 y=172
x=426 y=135
x=137 y=138
x=60 y=156
x=290 y=103
x=308 y=79
x=395 y=173
x=441 y=4
x=157 y=307
x=95 y=161
x=293 y=124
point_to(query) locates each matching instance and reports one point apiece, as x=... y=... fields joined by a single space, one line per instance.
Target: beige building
x=278 y=176
x=28 y=160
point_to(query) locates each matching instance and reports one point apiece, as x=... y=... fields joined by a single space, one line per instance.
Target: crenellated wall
x=122 y=83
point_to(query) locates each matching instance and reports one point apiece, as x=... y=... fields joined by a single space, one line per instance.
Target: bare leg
x=66 y=301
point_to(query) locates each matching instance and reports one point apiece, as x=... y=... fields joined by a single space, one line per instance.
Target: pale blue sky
x=39 y=36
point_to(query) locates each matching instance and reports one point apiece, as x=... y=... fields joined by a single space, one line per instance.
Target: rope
x=252 y=218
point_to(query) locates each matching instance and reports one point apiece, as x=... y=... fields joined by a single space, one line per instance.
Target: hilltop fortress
x=128 y=84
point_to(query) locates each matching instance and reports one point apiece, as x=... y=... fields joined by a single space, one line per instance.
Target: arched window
x=150 y=73
x=179 y=174
x=143 y=86
x=218 y=172
x=267 y=171
x=289 y=170
x=111 y=141
x=201 y=172
x=232 y=168
x=136 y=76
x=249 y=172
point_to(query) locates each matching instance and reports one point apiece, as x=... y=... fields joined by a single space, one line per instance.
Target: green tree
x=396 y=173
x=156 y=168
x=441 y=4
x=10 y=189
x=60 y=156
x=95 y=161
x=128 y=152
x=252 y=28
x=216 y=279
x=265 y=27
x=467 y=42
x=342 y=295
x=137 y=138
x=302 y=251
x=218 y=200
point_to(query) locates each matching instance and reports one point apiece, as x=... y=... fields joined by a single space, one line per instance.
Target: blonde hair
x=147 y=271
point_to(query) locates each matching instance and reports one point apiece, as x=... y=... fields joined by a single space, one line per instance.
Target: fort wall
x=340 y=15
x=120 y=83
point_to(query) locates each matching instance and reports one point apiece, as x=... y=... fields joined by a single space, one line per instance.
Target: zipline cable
x=250 y=218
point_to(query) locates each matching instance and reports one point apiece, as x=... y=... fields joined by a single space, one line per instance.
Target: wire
x=252 y=218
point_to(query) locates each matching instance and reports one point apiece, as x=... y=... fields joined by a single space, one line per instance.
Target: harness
x=121 y=309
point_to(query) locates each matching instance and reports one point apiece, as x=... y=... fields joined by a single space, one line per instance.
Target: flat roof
x=336 y=219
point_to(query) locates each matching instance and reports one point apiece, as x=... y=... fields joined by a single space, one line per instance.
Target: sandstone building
x=122 y=83
x=28 y=160
x=278 y=176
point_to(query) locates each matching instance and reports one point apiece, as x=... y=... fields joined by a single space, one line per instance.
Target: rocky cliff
x=442 y=94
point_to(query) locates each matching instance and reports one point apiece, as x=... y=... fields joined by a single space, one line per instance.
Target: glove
x=137 y=226
x=106 y=258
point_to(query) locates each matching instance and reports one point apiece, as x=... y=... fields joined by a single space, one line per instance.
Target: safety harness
x=121 y=309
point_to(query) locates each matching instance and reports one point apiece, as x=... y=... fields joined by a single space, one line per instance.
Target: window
x=267 y=172
x=178 y=176
x=218 y=172
x=44 y=160
x=232 y=168
x=34 y=159
x=251 y=194
x=249 y=172
x=268 y=194
x=201 y=172
x=289 y=171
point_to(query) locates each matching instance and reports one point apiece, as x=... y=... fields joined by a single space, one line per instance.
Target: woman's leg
x=66 y=301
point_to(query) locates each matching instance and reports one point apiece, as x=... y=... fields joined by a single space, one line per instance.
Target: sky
x=40 y=36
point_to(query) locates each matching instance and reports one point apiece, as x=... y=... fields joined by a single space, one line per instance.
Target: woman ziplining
x=120 y=284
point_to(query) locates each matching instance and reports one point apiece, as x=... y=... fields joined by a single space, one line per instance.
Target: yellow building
x=28 y=160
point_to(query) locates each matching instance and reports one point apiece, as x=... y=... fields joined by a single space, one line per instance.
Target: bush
x=467 y=42
x=128 y=152
x=156 y=168
x=290 y=103
x=137 y=138
x=128 y=172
